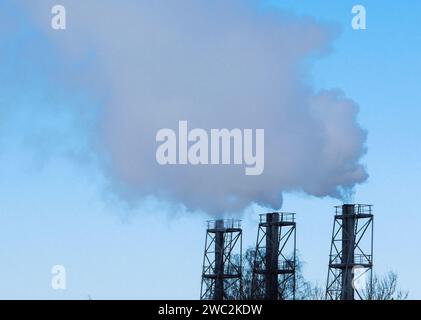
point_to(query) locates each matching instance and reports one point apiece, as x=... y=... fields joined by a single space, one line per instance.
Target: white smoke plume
x=216 y=64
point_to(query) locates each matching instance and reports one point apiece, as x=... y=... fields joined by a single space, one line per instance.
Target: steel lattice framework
x=222 y=262
x=351 y=253
x=275 y=257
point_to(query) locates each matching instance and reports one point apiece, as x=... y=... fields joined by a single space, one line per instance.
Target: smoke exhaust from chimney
x=216 y=64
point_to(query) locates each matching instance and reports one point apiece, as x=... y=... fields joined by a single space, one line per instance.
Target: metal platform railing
x=224 y=224
x=358 y=209
x=283 y=217
x=359 y=259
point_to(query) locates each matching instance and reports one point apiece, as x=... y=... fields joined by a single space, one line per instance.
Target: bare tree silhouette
x=385 y=288
x=304 y=290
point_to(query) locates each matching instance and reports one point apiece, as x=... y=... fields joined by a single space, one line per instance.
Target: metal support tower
x=222 y=262
x=275 y=256
x=351 y=253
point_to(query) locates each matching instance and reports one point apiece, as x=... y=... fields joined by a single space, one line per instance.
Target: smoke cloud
x=216 y=64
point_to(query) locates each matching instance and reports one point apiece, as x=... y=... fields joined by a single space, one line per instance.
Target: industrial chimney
x=275 y=255
x=222 y=262
x=351 y=253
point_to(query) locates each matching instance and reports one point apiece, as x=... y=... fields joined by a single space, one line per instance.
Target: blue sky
x=56 y=208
